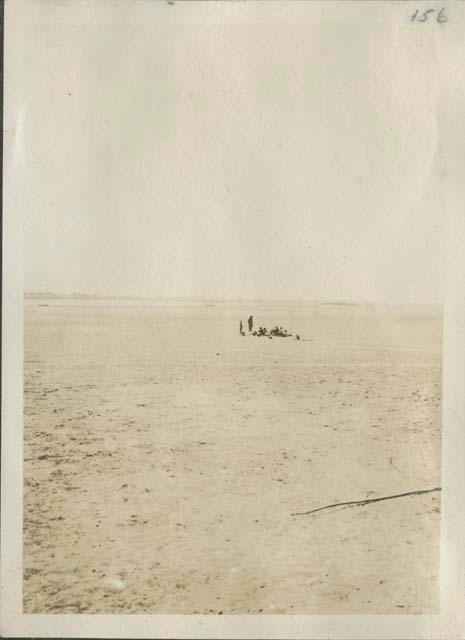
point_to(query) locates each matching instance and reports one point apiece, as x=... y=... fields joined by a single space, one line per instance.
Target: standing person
x=240 y=328
x=250 y=322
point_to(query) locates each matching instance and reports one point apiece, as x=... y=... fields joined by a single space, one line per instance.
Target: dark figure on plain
x=241 y=330
x=250 y=323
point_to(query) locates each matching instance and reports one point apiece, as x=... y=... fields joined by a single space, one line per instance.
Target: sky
x=164 y=156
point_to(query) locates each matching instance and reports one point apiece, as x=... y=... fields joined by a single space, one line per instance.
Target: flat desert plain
x=164 y=456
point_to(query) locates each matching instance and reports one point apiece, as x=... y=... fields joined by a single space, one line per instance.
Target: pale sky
x=240 y=159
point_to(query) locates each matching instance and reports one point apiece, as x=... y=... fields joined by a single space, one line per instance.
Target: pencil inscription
x=429 y=16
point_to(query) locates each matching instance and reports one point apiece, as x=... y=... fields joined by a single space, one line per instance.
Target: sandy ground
x=164 y=455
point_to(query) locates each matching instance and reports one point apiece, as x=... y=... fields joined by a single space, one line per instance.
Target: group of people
x=277 y=332
x=249 y=322
x=280 y=332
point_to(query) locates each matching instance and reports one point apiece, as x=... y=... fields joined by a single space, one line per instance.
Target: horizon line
x=341 y=301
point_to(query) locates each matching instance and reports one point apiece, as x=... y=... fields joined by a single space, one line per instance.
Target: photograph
x=232 y=312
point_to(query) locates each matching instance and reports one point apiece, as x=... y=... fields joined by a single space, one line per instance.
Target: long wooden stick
x=368 y=501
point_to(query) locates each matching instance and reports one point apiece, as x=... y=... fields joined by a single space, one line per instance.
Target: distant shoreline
x=88 y=298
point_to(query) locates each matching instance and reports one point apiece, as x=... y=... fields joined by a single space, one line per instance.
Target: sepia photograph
x=174 y=464
x=234 y=279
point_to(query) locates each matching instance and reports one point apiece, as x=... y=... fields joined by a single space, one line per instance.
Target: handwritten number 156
x=424 y=16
